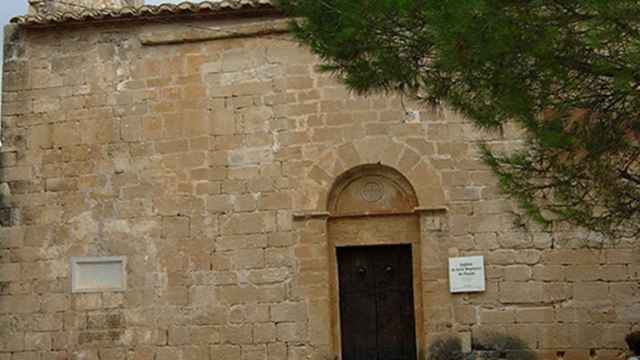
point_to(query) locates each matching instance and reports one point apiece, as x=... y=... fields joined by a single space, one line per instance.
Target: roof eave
x=150 y=13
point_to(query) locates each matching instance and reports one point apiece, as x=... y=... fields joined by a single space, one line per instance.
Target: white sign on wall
x=97 y=274
x=466 y=274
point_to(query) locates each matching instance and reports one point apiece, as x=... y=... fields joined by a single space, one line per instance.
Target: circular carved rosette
x=372 y=191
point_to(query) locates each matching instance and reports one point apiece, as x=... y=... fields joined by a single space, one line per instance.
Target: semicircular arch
x=371 y=189
x=409 y=159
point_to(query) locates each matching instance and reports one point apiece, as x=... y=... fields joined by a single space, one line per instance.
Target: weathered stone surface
x=210 y=165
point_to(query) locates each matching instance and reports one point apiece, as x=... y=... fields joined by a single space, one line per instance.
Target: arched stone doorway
x=374 y=264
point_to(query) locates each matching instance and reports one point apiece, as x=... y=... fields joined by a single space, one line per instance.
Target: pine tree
x=566 y=71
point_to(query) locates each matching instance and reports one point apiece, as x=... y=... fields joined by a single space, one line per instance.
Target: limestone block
x=556 y=291
x=12 y=237
x=174 y=227
x=629 y=313
x=279 y=257
x=37 y=341
x=282 y=239
x=465 y=314
x=319 y=331
x=276 y=351
x=19 y=304
x=535 y=315
x=623 y=292
x=179 y=335
x=583 y=273
x=27 y=355
x=113 y=353
x=613 y=272
x=521 y=292
x=245 y=203
x=9 y=272
x=172 y=146
x=264 y=333
x=548 y=272
x=241 y=334
x=225 y=352
x=205 y=335
x=87 y=301
x=559 y=336
x=591 y=291
x=249 y=223
x=55 y=303
x=517 y=273
x=231 y=242
x=291 y=332
x=202 y=295
x=295 y=312
x=16 y=173
x=572 y=256
x=269 y=276
x=247 y=258
x=621 y=256
x=254 y=352
x=220 y=203
x=167 y=353
x=491 y=316
x=275 y=201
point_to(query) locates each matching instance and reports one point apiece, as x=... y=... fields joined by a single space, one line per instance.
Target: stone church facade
x=198 y=147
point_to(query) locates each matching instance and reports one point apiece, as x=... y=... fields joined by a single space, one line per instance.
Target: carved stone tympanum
x=371 y=189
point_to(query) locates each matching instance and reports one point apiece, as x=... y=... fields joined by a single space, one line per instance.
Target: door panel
x=361 y=325
x=376 y=303
x=357 y=277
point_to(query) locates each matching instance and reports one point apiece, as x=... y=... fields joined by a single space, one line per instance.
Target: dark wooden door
x=376 y=303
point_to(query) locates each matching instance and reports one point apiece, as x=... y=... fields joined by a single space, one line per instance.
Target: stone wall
x=208 y=165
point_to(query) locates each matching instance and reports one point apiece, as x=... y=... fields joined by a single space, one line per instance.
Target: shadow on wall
x=13 y=180
x=11 y=137
x=6 y=219
x=5 y=210
x=489 y=346
x=6 y=213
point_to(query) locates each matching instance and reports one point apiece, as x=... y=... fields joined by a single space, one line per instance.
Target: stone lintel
x=431 y=210
x=306 y=215
x=193 y=33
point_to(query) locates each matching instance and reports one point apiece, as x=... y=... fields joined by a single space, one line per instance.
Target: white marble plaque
x=466 y=274
x=95 y=274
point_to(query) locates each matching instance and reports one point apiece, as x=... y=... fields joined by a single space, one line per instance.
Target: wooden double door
x=377 y=320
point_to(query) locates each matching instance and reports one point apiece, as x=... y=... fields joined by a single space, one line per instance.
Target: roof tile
x=145 y=11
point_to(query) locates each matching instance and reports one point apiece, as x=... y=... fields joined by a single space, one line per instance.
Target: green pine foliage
x=566 y=71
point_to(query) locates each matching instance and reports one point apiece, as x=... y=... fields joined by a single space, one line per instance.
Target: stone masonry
x=205 y=152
